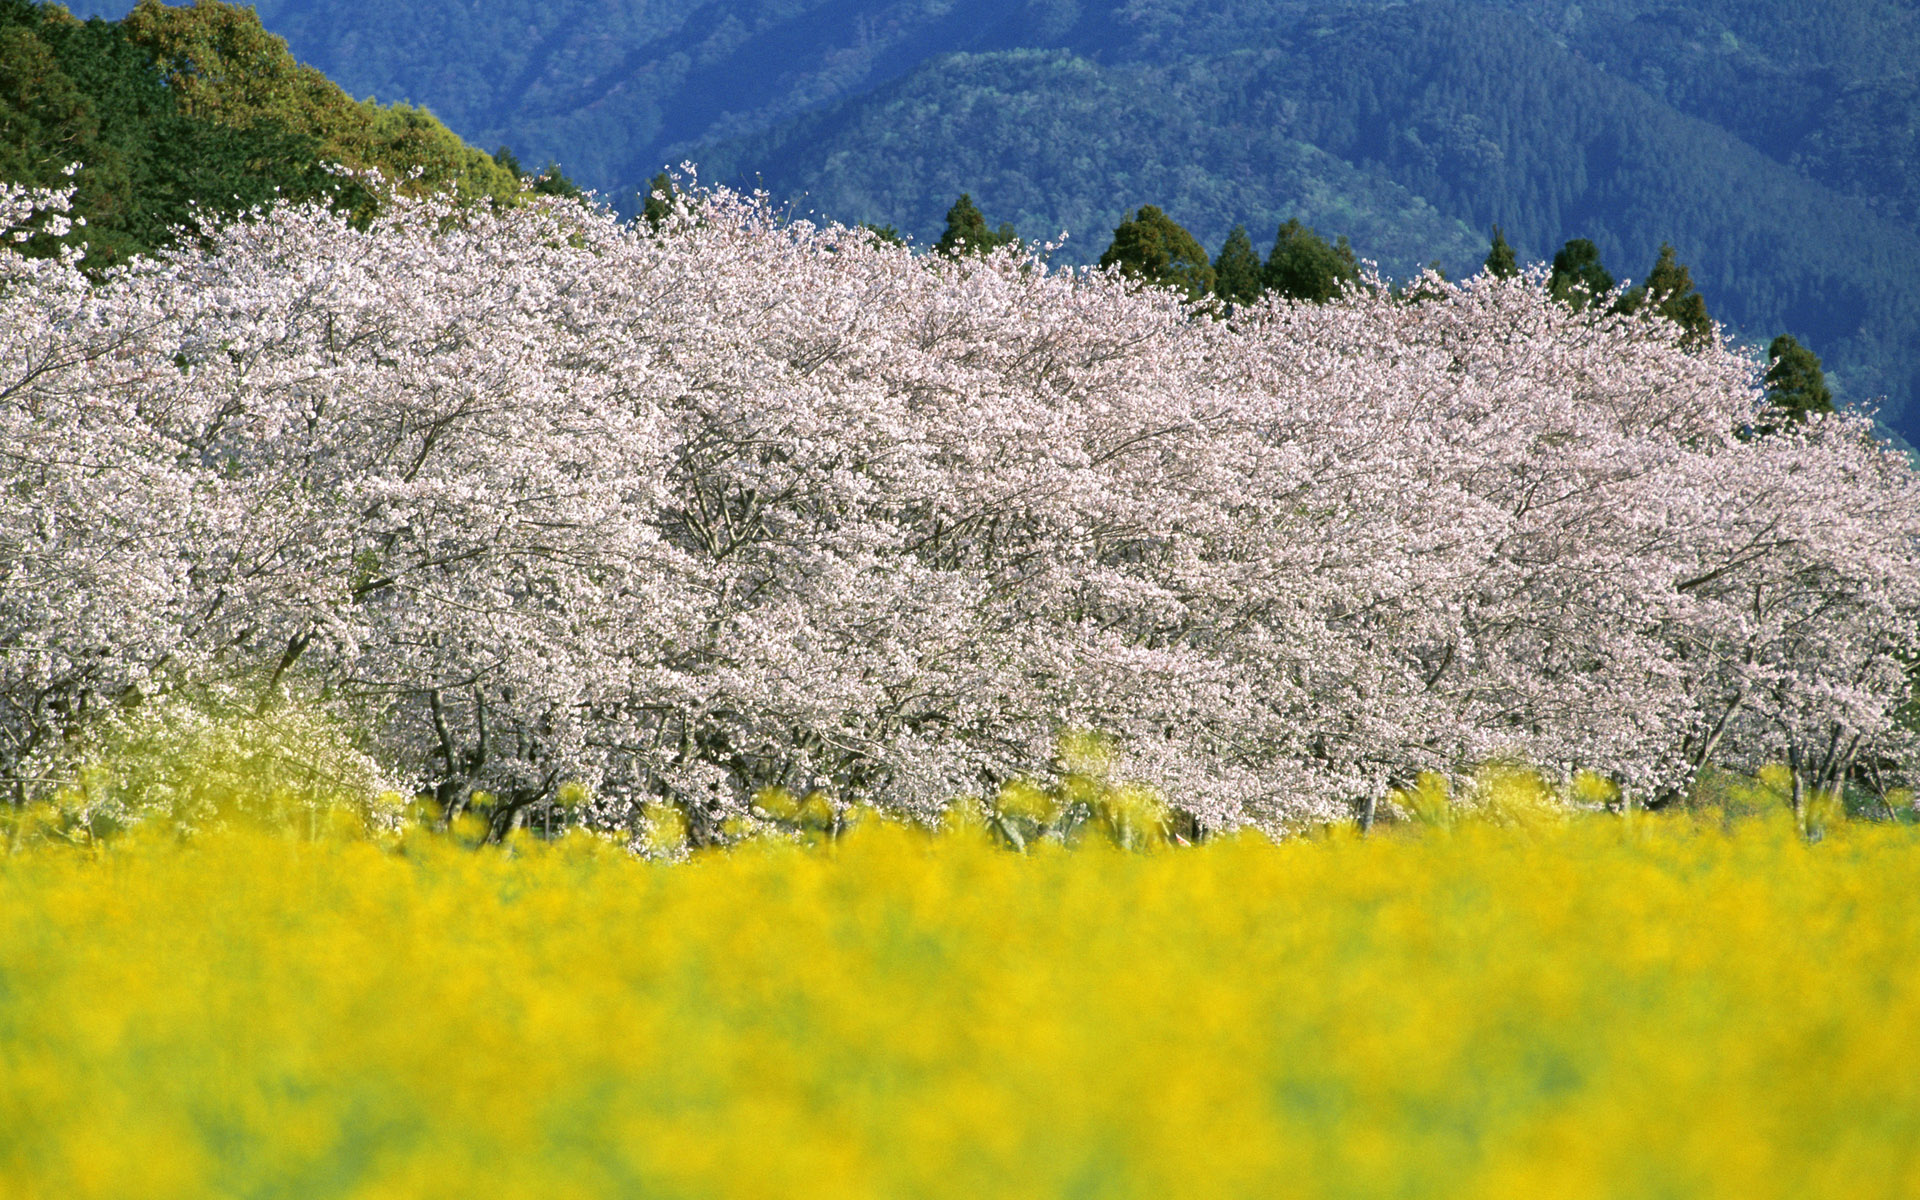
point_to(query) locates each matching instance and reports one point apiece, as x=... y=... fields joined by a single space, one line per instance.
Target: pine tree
x=1151 y=247
x=967 y=231
x=1669 y=289
x=659 y=200
x=1305 y=267
x=1236 y=272
x=1501 y=262
x=1578 y=279
x=1796 y=386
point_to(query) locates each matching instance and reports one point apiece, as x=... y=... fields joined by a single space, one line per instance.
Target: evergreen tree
x=1151 y=247
x=1796 y=386
x=552 y=181
x=1305 y=267
x=659 y=200
x=967 y=231
x=1669 y=290
x=1501 y=262
x=1578 y=279
x=1236 y=272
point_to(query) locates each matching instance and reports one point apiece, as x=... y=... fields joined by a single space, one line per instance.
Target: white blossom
x=537 y=497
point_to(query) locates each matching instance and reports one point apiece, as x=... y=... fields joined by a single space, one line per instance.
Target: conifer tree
x=1151 y=247
x=1796 y=386
x=1236 y=272
x=1578 y=279
x=1501 y=262
x=1305 y=267
x=659 y=200
x=1669 y=289
x=967 y=231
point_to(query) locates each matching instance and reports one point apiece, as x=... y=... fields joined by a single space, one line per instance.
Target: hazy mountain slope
x=1829 y=87
x=1054 y=142
x=609 y=86
x=1491 y=121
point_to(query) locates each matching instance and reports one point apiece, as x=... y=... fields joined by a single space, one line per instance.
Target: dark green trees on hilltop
x=176 y=109
x=967 y=231
x=1578 y=279
x=1304 y=266
x=1236 y=272
x=1796 y=387
x=1151 y=247
x=1501 y=261
x=1669 y=291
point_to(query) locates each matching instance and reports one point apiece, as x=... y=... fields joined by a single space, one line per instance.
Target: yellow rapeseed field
x=1600 y=1007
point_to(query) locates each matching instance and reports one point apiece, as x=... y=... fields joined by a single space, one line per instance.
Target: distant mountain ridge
x=1773 y=143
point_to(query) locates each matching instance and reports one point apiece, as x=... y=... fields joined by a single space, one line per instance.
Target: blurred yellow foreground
x=1607 y=1007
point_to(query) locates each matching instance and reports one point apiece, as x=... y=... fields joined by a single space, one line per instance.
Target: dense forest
x=1773 y=144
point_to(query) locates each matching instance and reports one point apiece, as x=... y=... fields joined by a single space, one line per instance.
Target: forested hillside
x=174 y=112
x=1773 y=144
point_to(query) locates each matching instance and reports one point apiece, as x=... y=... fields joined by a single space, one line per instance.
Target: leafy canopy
x=1304 y=266
x=1150 y=247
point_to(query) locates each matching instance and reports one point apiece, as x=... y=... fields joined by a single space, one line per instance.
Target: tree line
x=1153 y=249
x=173 y=114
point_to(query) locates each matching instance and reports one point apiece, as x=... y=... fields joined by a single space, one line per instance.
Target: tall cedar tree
x=1501 y=262
x=1151 y=247
x=1305 y=267
x=967 y=231
x=659 y=200
x=1796 y=386
x=1236 y=272
x=1578 y=279
x=1669 y=290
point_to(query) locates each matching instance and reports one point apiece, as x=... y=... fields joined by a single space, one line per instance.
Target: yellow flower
x=777 y=803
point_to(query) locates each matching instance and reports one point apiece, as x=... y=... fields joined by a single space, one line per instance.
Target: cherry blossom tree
x=686 y=508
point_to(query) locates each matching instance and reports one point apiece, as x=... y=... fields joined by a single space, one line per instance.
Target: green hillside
x=173 y=110
x=1034 y=137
